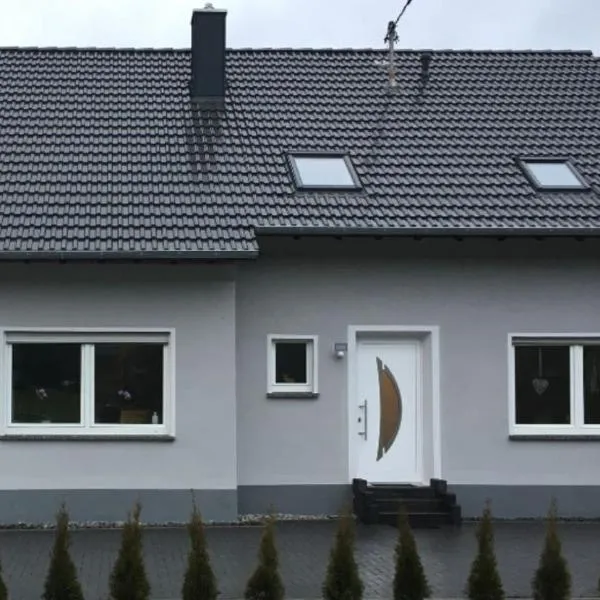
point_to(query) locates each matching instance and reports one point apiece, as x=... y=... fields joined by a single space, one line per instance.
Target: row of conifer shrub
x=128 y=579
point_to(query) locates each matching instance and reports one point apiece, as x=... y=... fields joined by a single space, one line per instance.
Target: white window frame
x=87 y=337
x=312 y=353
x=576 y=343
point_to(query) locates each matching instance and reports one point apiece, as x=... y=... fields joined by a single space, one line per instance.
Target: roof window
x=553 y=174
x=323 y=171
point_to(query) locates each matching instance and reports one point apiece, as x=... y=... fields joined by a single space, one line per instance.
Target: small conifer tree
x=61 y=580
x=265 y=583
x=199 y=582
x=410 y=582
x=3 y=589
x=342 y=581
x=552 y=580
x=128 y=579
x=484 y=582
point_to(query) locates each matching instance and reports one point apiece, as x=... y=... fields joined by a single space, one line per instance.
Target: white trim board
x=422 y=333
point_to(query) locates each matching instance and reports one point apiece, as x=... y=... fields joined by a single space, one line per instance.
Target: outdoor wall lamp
x=340 y=349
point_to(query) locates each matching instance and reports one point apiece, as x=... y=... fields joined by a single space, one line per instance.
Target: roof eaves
x=197 y=255
x=431 y=231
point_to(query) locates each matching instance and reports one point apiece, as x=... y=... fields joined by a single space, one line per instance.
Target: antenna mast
x=391 y=38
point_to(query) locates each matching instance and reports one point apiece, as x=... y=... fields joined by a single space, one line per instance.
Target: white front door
x=387 y=410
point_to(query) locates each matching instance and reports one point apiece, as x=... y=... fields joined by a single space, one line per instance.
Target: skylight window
x=323 y=171
x=556 y=174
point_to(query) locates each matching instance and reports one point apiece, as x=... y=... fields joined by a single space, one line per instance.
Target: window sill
x=293 y=395
x=34 y=437
x=577 y=437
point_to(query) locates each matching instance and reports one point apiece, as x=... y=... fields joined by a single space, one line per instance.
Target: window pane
x=129 y=383
x=591 y=385
x=542 y=385
x=327 y=171
x=46 y=383
x=552 y=174
x=290 y=362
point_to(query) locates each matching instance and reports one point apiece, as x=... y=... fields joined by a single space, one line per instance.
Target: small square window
x=553 y=174
x=292 y=364
x=323 y=171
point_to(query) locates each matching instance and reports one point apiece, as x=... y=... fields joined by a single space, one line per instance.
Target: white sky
x=562 y=24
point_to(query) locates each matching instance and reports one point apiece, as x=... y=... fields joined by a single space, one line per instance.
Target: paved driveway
x=303 y=549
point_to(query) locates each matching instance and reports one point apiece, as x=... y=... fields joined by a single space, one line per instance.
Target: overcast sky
x=306 y=23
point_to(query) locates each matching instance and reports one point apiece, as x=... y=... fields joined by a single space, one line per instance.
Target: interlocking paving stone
x=304 y=549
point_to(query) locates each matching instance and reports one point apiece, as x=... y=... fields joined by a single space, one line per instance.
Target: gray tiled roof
x=101 y=151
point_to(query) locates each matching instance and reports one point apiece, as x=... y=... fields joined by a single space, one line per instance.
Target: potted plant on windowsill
x=131 y=411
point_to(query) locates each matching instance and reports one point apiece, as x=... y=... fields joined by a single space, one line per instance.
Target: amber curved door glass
x=388 y=411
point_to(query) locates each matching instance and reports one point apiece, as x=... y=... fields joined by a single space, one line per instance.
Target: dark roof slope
x=101 y=151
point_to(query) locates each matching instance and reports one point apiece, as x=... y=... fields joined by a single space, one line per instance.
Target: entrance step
x=427 y=520
x=412 y=505
x=402 y=491
x=426 y=506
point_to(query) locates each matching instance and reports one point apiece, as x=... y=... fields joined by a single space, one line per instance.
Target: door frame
x=419 y=334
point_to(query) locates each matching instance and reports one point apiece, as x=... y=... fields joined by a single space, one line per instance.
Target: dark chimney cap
x=207 y=85
x=426 y=57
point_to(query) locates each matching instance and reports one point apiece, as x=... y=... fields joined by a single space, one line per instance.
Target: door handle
x=363 y=407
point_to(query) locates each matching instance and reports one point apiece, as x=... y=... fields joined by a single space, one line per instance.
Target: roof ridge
x=108 y=49
x=420 y=50
x=299 y=50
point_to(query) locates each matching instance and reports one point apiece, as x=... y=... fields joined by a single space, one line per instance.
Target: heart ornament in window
x=540 y=385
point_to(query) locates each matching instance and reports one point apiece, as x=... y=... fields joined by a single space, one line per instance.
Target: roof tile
x=102 y=151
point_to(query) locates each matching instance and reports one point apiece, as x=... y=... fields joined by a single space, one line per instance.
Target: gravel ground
x=242 y=520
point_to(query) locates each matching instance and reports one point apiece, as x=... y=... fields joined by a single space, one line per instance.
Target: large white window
x=555 y=385
x=88 y=382
x=292 y=365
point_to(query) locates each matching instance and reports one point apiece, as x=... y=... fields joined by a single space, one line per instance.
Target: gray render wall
x=101 y=479
x=485 y=291
x=295 y=453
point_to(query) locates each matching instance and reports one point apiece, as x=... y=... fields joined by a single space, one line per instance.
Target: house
x=262 y=274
